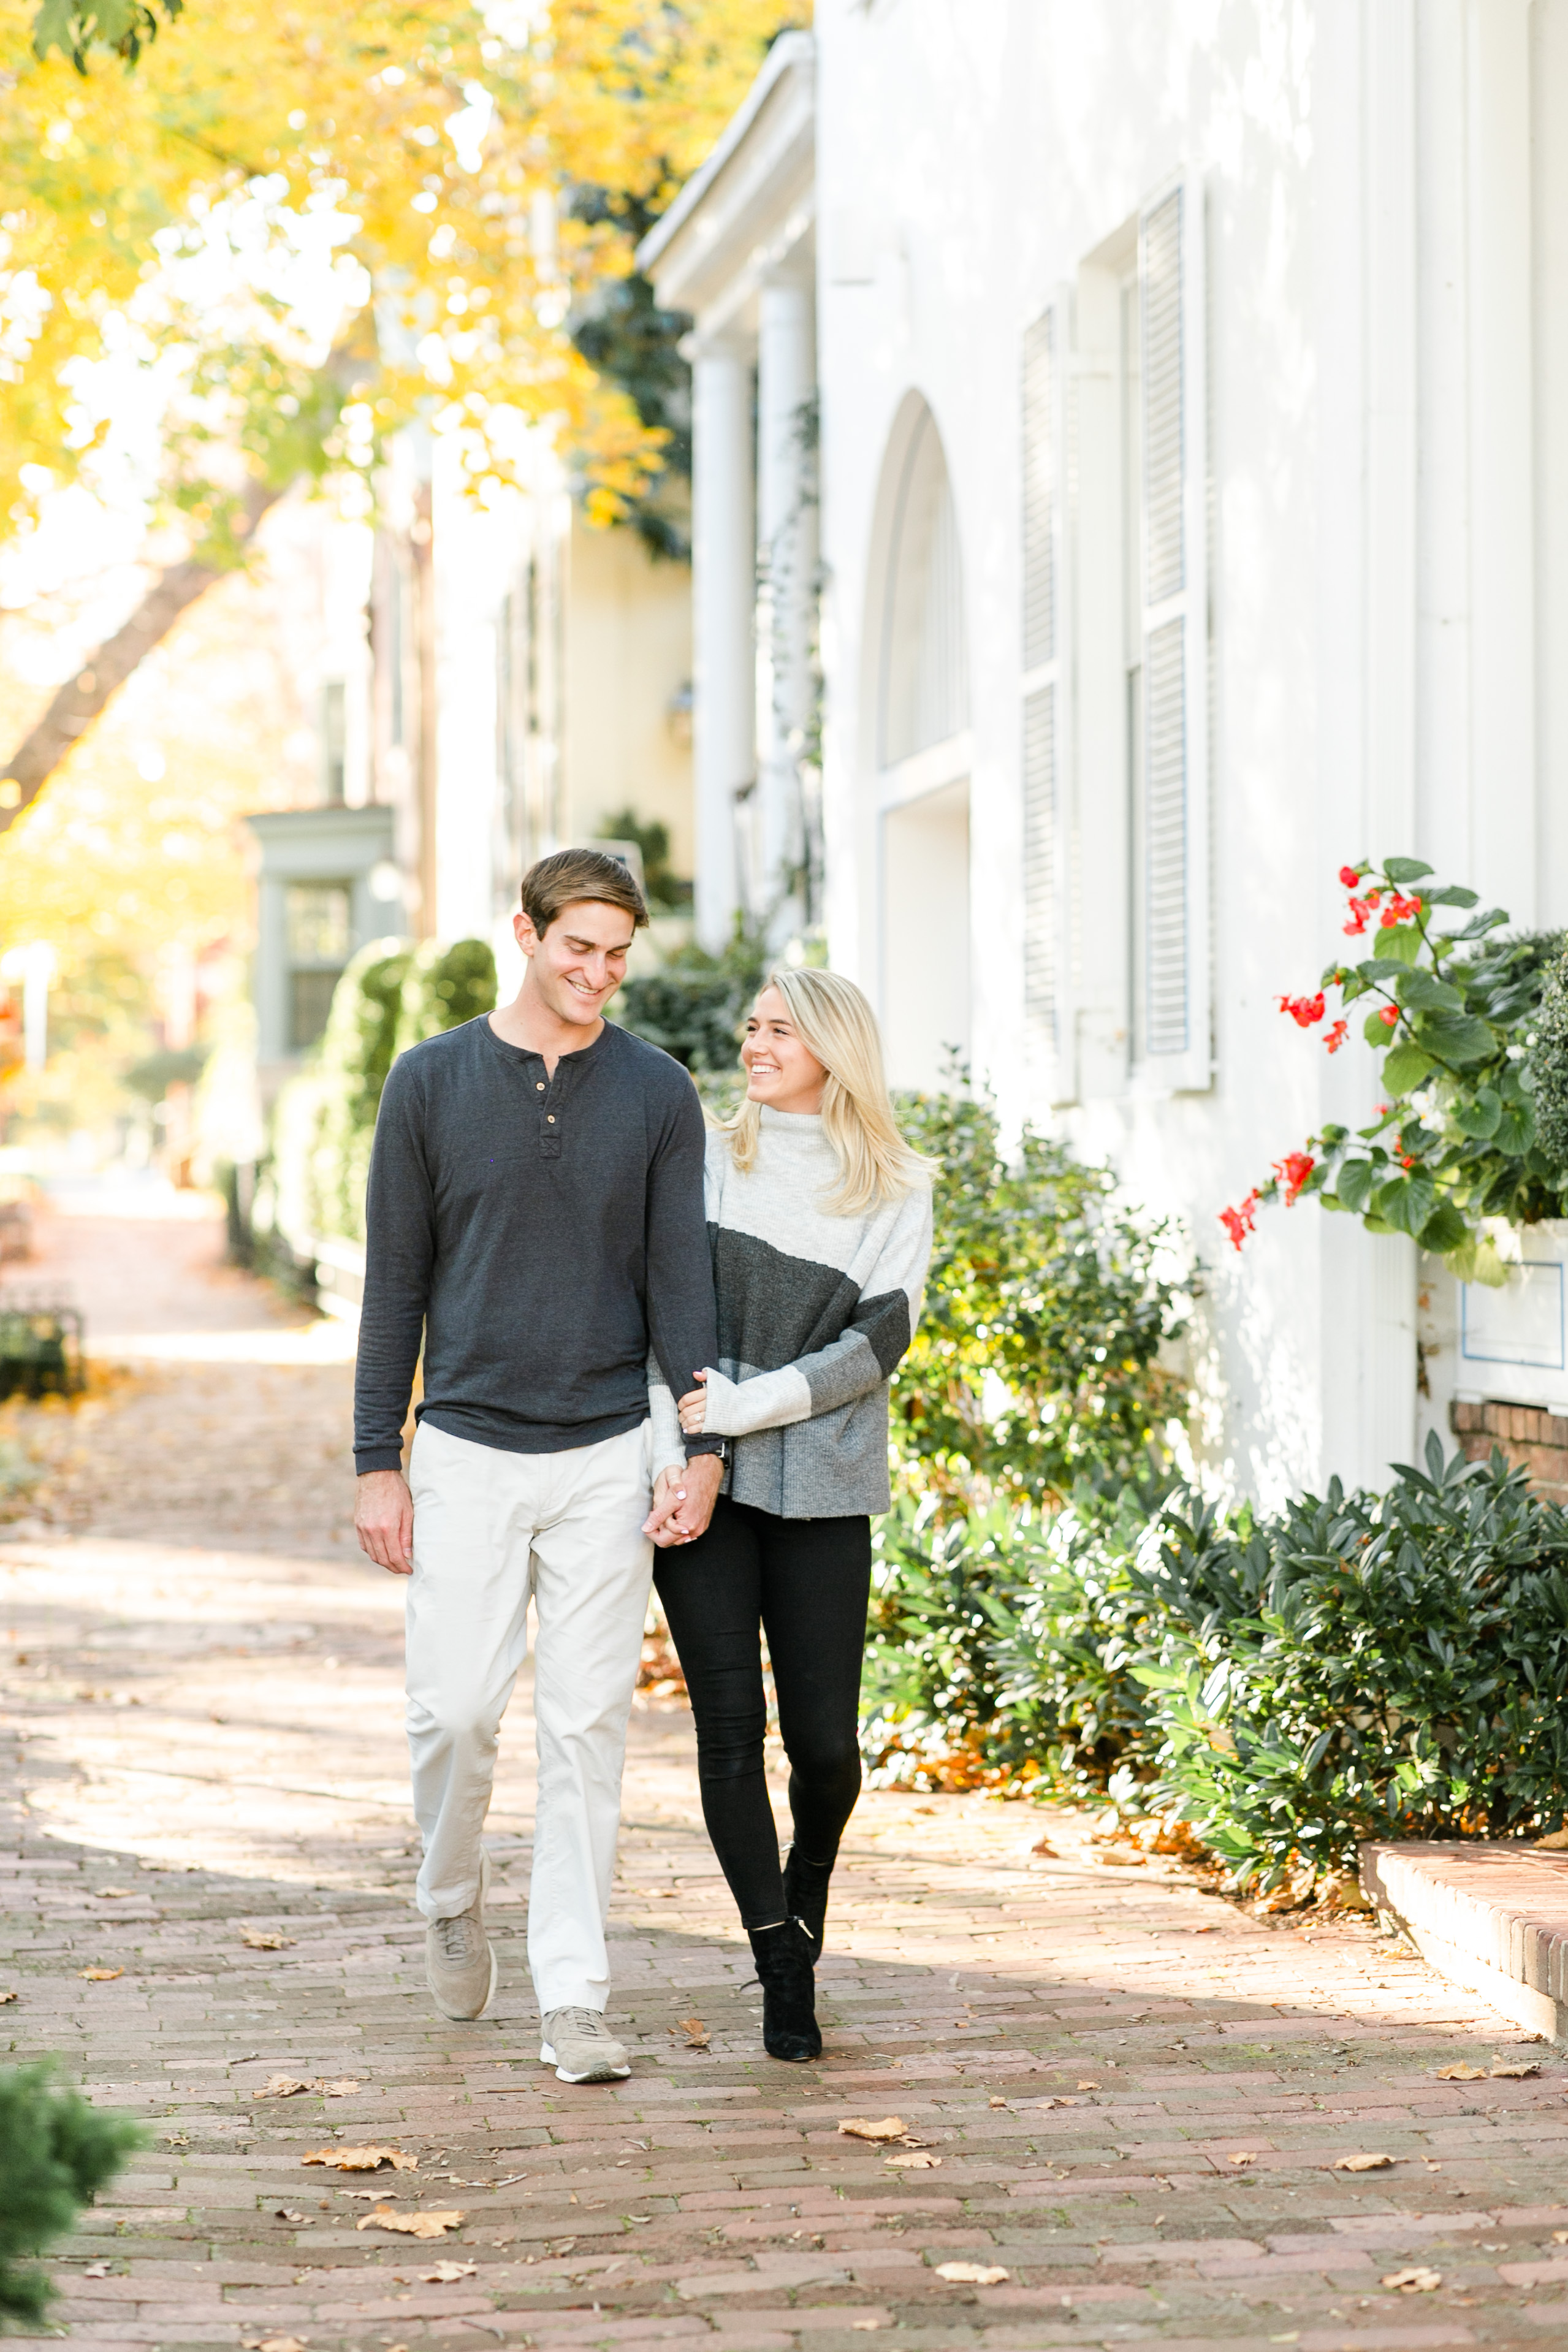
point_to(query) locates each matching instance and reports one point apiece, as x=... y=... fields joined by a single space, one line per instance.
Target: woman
x=820 y=1218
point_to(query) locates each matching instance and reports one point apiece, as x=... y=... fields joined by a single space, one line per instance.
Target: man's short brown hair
x=568 y=874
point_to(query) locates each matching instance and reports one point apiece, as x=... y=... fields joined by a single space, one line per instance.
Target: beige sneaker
x=581 y=2047
x=459 y=1961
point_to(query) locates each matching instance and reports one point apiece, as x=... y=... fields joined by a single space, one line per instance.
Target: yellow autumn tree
x=436 y=151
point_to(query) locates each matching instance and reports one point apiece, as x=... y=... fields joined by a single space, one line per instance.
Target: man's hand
x=383 y=1520
x=683 y=1501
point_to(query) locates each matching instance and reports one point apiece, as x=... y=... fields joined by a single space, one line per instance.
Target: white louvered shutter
x=1043 y=713
x=1172 y=891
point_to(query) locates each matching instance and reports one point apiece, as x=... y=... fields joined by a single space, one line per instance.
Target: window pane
x=309 y=1002
x=318 y=921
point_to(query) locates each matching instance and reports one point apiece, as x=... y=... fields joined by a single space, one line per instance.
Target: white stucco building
x=1192 y=378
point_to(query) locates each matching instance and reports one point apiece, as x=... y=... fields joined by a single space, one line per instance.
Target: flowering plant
x=1454 y=1142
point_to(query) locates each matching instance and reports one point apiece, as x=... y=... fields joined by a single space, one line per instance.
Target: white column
x=723 y=564
x=786 y=545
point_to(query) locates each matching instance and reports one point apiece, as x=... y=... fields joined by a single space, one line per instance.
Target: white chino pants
x=490 y=1527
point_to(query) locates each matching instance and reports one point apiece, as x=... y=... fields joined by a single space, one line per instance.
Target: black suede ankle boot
x=805 y=1895
x=782 y=1955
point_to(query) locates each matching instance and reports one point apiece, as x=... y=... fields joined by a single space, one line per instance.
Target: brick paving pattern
x=1126 y=2098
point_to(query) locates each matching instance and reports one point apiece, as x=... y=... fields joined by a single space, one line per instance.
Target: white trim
x=949 y=763
x=789 y=52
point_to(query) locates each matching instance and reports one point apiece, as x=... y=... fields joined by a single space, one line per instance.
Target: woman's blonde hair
x=836 y=1025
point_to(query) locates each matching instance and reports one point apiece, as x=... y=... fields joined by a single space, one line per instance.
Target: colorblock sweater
x=815 y=1311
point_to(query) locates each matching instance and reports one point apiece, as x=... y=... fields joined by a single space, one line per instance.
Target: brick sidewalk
x=1135 y=2095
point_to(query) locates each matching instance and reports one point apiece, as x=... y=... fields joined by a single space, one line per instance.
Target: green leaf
x=1400 y=944
x=1478 y=926
x=1424 y=991
x=1404 y=869
x=1477 y=1114
x=1443 y=1229
x=1353 y=1183
x=1456 y=1037
x=1451 y=894
x=1376 y=1030
x=1406 y=1068
x=1515 y=1130
x=1407 y=1203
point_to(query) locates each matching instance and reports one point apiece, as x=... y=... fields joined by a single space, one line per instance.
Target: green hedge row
x=323 y=1122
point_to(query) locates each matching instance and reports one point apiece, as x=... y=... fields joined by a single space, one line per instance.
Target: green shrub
x=324 y=1123
x=56 y=2153
x=1036 y=1368
x=1363 y=1667
x=1351 y=1667
x=355 y=1053
x=694 y=1006
x=999 y=1641
x=443 y=987
x=1548 y=1042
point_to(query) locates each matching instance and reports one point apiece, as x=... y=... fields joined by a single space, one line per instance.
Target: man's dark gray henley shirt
x=537 y=1232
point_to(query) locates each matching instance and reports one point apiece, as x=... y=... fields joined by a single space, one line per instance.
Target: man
x=535 y=1211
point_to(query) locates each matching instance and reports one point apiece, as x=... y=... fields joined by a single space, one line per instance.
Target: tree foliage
x=56 y=2153
x=414 y=139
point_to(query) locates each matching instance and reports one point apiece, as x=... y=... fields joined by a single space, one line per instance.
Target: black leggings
x=806 y=1584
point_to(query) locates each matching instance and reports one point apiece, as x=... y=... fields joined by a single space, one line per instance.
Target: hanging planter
x=1454 y=1158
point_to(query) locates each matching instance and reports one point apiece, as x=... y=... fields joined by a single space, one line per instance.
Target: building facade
x=1190 y=518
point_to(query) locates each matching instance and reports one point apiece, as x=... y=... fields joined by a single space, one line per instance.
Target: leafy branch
x=1454 y=1143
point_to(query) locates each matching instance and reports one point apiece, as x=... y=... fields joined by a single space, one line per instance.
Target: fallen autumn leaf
x=444 y=2274
x=410 y=2225
x=361 y=2159
x=915 y=2161
x=262 y=1939
x=1462 y=2074
x=1414 y=2281
x=1362 y=2163
x=281 y=2086
x=857 y=2128
x=100 y=1976
x=972 y=2273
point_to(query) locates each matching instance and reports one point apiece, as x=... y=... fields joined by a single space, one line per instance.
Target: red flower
x=1389 y=1014
x=1374 y=897
x=1400 y=911
x=1406 y=1160
x=1303 y=1010
x=1336 y=1036
x=1359 y=909
x=1293 y=1171
x=1350 y=876
x=1238 y=1222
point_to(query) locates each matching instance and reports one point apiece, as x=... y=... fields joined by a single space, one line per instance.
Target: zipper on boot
x=805 y=1895
x=784 y=1958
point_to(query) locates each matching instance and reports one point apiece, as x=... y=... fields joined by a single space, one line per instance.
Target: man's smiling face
x=581 y=961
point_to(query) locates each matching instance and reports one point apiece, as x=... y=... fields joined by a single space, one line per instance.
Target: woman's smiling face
x=781 y=1070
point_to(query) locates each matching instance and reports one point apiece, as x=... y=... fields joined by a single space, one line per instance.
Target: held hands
x=383 y=1520
x=693 y=1409
x=683 y=1501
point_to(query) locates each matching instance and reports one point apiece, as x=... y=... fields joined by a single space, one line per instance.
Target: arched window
x=924 y=685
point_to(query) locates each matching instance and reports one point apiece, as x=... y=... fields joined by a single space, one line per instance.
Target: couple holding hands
x=646 y=1347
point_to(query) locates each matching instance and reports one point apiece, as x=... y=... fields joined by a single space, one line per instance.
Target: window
x=1165 y=656
x=318 y=932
